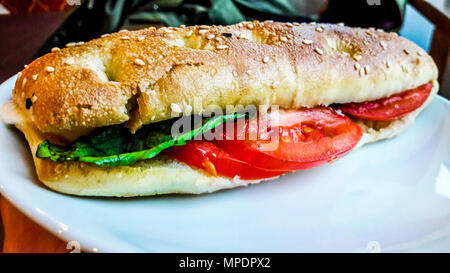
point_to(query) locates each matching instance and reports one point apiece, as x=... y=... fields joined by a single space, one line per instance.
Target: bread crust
x=137 y=76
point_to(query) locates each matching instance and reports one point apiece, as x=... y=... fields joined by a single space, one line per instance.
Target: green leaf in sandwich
x=116 y=146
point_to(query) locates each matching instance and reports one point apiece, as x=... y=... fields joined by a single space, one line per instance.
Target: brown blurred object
x=21 y=36
x=26 y=29
x=34 y=6
x=438 y=12
x=24 y=236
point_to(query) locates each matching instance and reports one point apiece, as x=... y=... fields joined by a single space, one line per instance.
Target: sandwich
x=204 y=108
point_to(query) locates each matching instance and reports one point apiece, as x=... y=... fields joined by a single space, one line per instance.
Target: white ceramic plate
x=393 y=195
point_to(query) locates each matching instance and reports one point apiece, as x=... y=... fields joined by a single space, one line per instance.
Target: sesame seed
x=210 y=36
x=182 y=26
x=383 y=44
x=124 y=38
x=356 y=57
x=319 y=29
x=204 y=27
x=221 y=47
x=370 y=33
x=19 y=74
x=341 y=24
x=123 y=30
x=357 y=66
x=250 y=26
x=406 y=51
x=69 y=61
x=71 y=44
x=209 y=167
x=35 y=76
x=404 y=68
x=249 y=72
x=361 y=72
x=167 y=30
x=388 y=64
x=203 y=31
x=318 y=50
x=54 y=49
x=218 y=39
x=420 y=53
x=79 y=43
x=49 y=69
x=307 y=42
x=266 y=60
x=141 y=38
x=366 y=69
x=33 y=98
x=296 y=24
x=289 y=24
x=139 y=62
x=175 y=108
x=268 y=21
x=275 y=84
x=189 y=33
x=312 y=23
x=104 y=35
x=283 y=39
x=24 y=82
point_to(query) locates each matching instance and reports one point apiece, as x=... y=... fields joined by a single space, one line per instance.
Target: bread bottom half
x=160 y=175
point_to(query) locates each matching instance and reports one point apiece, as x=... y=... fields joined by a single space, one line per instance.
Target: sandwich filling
x=251 y=147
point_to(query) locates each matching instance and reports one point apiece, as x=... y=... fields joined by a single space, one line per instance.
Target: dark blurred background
x=32 y=27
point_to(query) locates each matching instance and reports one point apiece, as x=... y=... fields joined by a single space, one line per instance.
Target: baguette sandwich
x=99 y=116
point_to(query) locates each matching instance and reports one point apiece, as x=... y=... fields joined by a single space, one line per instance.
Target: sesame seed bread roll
x=160 y=175
x=140 y=77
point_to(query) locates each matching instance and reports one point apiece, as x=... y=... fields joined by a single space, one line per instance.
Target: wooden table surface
x=24 y=236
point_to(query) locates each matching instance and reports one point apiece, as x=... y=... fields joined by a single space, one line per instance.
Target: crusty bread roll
x=160 y=175
x=140 y=77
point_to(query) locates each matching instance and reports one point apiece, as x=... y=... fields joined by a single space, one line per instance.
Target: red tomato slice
x=209 y=157
x=307 y=138
x=391 y=108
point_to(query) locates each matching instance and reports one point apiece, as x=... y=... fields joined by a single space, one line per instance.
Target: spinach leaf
x=116 y=146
